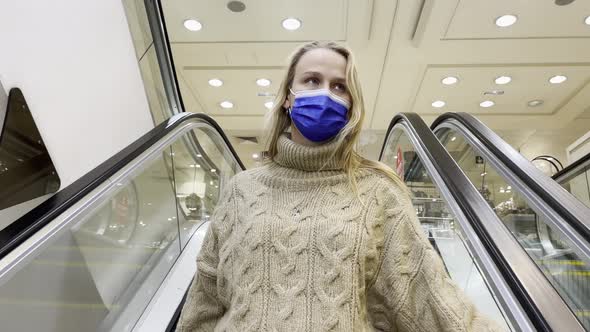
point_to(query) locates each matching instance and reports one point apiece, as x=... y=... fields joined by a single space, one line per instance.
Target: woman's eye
x=340 y=87
x=312 y=80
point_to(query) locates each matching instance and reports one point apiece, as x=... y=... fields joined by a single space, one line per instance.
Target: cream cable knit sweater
x=291 y=248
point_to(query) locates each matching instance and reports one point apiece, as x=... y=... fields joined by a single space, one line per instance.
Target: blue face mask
x=318 y=114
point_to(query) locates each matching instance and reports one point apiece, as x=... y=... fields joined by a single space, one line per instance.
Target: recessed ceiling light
x=438 y=104
x=291 y=23
x=494 y=92
x=503 y=80
x=236 y=6
x=226 y=104
x=193 y=25
x=215 y=82
x=263 y=82
x=449 y=80
x=557 y=79
x=535 y=103
x=563 y=2
x=487 y=103
x=587 y=20
x=269 y=104
x=506 y=20
x=255 y=155
x=453 y=138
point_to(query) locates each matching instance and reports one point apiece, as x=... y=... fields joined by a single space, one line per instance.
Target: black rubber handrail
x=24 y=227
x=565 y=173
x=472 y=206
x=516 y=163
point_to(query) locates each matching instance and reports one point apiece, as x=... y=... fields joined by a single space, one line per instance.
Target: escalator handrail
x=478 y=213
x=571 y=210
x=27 y=225
x=571 y=169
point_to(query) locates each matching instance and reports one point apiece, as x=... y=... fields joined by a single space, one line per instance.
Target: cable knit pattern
x=291 y=248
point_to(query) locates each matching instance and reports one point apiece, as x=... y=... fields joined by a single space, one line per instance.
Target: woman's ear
x=287 y=103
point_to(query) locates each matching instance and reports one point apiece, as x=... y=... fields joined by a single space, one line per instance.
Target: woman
x=319 y=238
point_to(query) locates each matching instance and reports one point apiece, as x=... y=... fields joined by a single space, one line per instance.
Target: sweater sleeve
x=411 y=290
x=203 y=308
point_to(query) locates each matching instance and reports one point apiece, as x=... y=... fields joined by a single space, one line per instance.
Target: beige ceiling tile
x=475 y=19
x=239 y=87
x=260 y=21
x=528 y=83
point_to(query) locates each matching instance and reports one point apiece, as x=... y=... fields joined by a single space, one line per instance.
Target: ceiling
x=404 y=49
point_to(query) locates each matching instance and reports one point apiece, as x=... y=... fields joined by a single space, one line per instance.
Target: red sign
x=399 y=163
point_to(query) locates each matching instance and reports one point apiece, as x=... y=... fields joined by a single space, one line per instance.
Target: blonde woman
x=319 y=238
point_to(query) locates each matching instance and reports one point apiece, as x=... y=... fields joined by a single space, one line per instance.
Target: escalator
x=551 y=225
x=480 y=253
x=96 y=254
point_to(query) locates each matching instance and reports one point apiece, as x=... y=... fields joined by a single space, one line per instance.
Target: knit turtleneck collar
x=306 y=158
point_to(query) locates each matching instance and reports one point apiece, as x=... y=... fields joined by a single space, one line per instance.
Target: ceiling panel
x=239 y=87
x=260 y=21
x=529 y=82
x=232 y=54
x=475 y=19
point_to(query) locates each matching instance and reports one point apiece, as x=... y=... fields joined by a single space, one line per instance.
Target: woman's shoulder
x=387 y=183
x=248 y=176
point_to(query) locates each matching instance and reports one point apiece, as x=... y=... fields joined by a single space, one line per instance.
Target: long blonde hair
x=347 y=140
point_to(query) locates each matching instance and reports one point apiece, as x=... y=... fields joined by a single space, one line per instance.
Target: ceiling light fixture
x=263 y=82
x=291 y=24
x=506 y=20
x=450 y=80
x=453 y=138
x=269 y=104
x=192 y=25
x=236 y=6
x=494 y=92
x=438 y=104
x=255 y=156
x=557 y=79
x=226 y=104
x=503 y=80
x=487 y=103
x=215 y=82
x=563 y=2
x=535 y=103
x=587 y=20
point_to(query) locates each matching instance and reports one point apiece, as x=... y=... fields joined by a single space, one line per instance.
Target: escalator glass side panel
x=564 y=267
x=578 y=184
x=100 y=262
x=202 y=166
x=439 y=224
x=92 y=273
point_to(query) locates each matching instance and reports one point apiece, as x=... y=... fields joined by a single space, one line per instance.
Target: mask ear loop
x=288 y=110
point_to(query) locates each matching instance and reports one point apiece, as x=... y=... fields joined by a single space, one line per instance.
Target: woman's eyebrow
x=316 y=73
x=312 y=73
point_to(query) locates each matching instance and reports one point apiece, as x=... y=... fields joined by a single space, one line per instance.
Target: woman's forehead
x=322 y=60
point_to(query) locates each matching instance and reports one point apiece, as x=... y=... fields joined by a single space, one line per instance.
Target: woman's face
x=320 y=68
